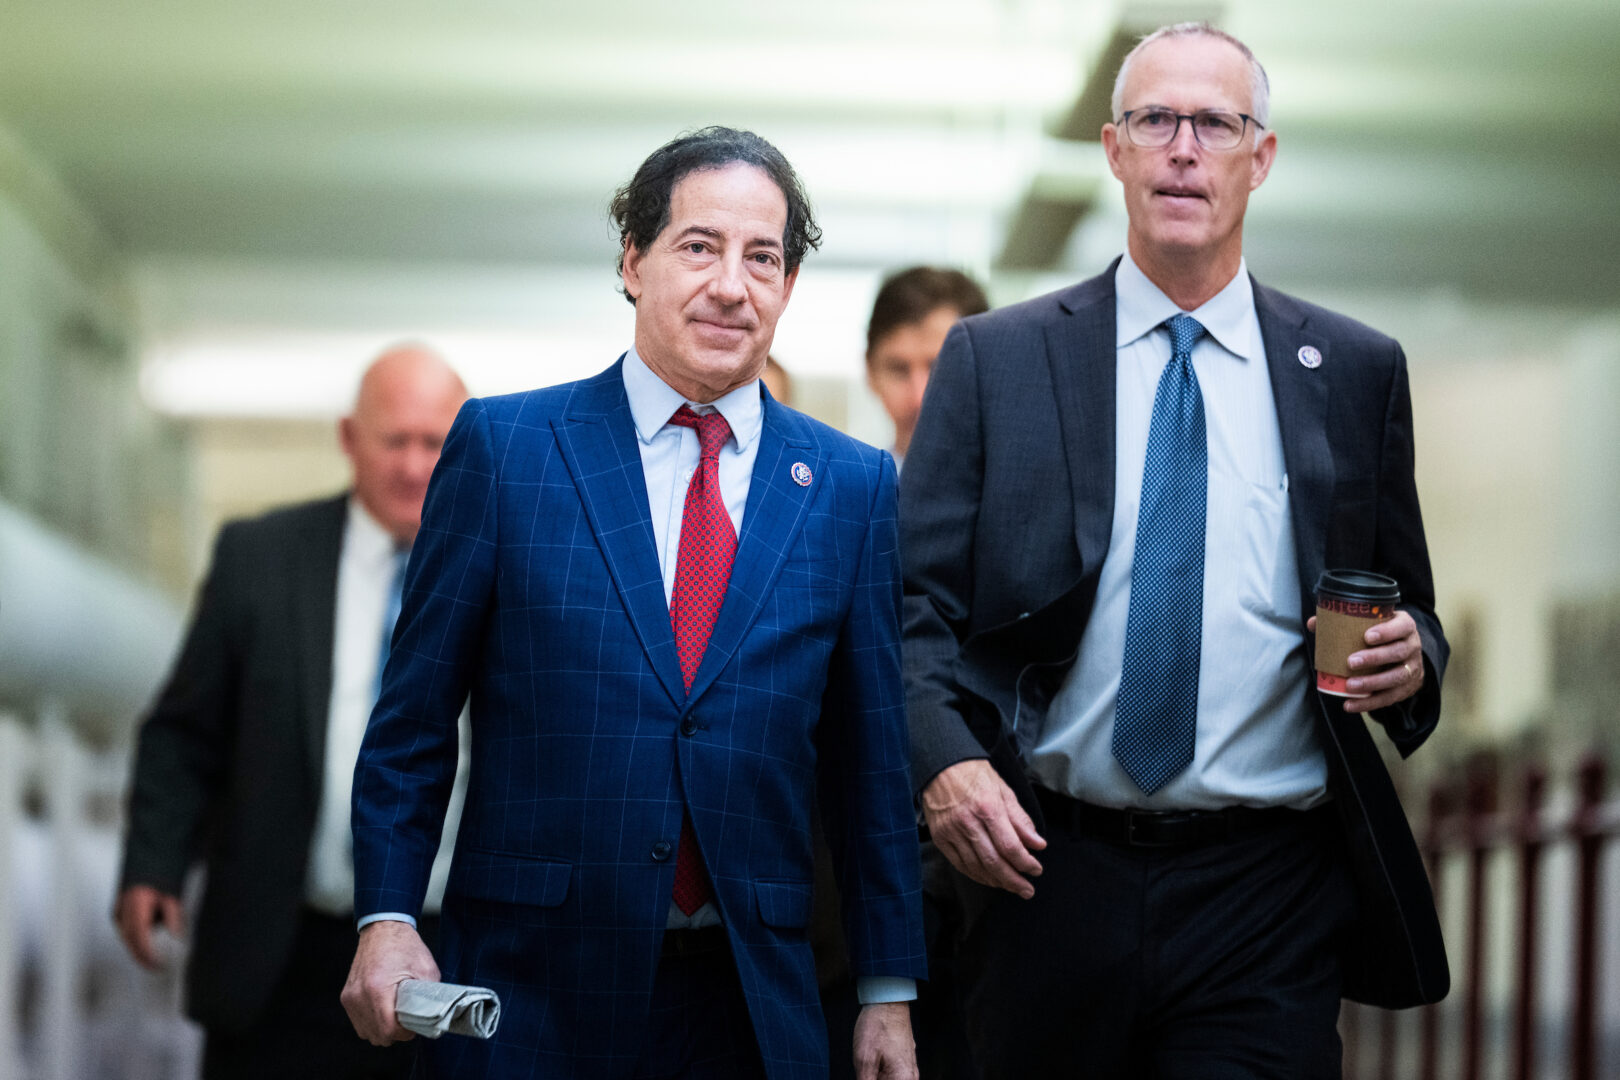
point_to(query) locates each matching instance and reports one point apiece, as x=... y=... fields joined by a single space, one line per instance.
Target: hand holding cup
x=1367 y=650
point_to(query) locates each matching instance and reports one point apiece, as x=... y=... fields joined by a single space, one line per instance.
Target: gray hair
x=1259 y=85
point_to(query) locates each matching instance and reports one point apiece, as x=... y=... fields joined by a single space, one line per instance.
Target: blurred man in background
x=245 y=761
x=911 y=315
x=1118 y=502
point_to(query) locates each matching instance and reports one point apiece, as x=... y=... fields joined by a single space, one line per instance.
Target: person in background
x=245 y=760
x=777 y=381
x=1119 y=498
x=911 y=315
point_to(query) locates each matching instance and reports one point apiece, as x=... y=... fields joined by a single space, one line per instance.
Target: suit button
x=660 y=851
x=689 y=727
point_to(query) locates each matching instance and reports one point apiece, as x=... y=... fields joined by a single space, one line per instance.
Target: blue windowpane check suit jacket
x=534 y=586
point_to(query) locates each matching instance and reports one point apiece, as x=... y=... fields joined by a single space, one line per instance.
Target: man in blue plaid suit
x=610 y=747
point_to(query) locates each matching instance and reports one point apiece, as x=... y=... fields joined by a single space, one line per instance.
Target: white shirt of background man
x=365 y=575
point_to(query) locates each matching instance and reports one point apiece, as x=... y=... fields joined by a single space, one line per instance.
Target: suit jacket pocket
x=783 y=904
x=511 y=878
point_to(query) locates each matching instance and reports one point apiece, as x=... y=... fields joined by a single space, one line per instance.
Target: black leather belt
x=1161 y=828
x=705 y=939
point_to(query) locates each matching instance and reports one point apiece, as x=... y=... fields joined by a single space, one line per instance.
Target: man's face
x=1185 y=201
x=710 y=288
x=899 y=364
x=393 y=440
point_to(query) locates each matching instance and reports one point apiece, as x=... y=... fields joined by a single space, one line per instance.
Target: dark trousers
x=936 y=1019
x=1216 y=961
x=698 y=1027
x=304 y=1032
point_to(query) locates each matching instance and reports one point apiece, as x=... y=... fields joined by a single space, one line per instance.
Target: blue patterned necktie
x=1156 y=717
x=396 y=596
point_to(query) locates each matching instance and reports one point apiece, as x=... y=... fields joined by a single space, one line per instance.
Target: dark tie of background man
x=396 y=596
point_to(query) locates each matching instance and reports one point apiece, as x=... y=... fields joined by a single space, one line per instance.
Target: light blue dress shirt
x=669 y=457
x=1256 y=745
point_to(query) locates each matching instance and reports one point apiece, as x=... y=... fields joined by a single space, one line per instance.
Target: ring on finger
x=1408 y=669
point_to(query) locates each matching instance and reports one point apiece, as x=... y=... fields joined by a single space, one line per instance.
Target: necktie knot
x=712 y=430
x=1184 y=334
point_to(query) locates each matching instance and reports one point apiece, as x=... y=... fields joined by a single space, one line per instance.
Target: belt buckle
x=1136 y=824
x=1194 y=826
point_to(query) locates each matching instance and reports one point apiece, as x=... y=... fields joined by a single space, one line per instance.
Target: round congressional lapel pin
x=801 y=474
x=1310 y=356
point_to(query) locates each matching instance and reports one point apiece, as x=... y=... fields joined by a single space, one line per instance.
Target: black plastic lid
x=1358 y=585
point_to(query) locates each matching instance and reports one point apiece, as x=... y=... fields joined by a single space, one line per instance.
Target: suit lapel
x=775 y=513
x=313 y=576
x=1081 y=351
x=1301 y=395
x=597 y=437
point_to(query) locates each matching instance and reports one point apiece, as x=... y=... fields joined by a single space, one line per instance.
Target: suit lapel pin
x=1309 y=356
x=801 y=474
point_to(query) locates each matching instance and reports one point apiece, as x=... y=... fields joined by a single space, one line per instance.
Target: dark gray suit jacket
x=230 y=759
x=1007 y=504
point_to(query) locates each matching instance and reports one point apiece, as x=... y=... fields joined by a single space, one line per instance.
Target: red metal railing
x=1590 y=827
x=1466 y=824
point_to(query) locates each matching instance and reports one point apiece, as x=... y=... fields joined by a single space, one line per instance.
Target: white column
x=1588 y=556
x=61 y=1025
x=15 y=759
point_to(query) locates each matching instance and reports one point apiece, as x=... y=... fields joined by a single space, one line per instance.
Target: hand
x=1391 y=670
x=976 y=821
x=389 y=953
x=884 y=1049
x=139 y=909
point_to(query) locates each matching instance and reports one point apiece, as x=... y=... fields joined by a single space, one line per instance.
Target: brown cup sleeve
x=1339 y=635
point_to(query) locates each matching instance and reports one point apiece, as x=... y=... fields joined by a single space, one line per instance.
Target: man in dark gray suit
x=245 y=760
x=1176 y=855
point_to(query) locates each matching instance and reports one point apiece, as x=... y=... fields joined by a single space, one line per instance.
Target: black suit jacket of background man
x=1007 y=505
x=231 y=757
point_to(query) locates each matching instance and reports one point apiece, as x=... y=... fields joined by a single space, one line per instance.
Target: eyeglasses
x=1215 y=129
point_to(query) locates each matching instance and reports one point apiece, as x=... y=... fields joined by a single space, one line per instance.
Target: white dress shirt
x=669 y=456
x=365 y=575
x=1256 y=745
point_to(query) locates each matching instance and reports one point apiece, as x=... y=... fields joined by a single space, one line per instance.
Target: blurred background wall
x=213 y=213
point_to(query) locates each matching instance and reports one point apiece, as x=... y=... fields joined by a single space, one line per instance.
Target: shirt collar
x=365 y=537
x=1142 y=307
x=653 y=401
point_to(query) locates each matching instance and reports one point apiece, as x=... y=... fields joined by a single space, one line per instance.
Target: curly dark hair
x=641 y=207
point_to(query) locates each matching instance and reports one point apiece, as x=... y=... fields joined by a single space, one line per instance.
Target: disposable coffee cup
x=1348 y=604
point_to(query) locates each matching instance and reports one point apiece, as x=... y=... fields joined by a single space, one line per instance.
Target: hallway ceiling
x=1468 y=148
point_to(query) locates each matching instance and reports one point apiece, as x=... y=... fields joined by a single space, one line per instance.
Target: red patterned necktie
x=702 y=570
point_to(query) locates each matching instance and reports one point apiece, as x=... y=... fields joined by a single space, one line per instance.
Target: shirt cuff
x=883 y=989
x=384 y=916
